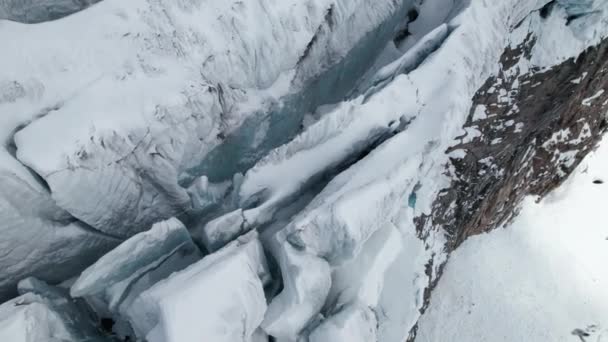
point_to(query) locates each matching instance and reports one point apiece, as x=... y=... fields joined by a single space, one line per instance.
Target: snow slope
x=541 y=278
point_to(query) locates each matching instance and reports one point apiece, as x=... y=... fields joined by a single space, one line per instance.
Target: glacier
x=37 y=11
x=46 y=313
x=133 y=177
x=300 y=170
x=226 y=286
x=116 y=280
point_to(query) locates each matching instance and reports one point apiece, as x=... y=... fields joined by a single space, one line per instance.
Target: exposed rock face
x=527 y=131
x=525 y=134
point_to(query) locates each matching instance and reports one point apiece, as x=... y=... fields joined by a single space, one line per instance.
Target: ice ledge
x=37 y=11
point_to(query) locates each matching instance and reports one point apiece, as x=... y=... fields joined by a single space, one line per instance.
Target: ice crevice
x=93 y=195
x=61 y=245
x=263 y=199
x=315 y=86
x=11 y=145
x=155 y=172
x=64 y=217
x=37 y=11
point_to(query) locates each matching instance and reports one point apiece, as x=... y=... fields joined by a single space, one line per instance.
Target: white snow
x=140 y=251
x=142 y=90
x=480 y=113
x=112 y=283
x=306 y=282
x=30 y=323
x=539 y=278
x=352 y=324
x=403 y=285
x=362 y=279
x=220 y=298
x=580 y=79
x=35 y=11
x=414 y=56
x=431 y=14
x=361 y=200
x=556 y=40
x=589 y=101
x=220 y=231
x=36 y=240
x=44 y=313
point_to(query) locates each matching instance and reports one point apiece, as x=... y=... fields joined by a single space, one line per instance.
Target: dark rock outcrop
x=526 y=132
x=525 y=135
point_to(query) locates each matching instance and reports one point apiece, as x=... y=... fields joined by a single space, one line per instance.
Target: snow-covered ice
x=143 y=90
x=306 y=284
x=45 y=313
x=223 y=229
x=112 y=284
x=352 y=323
x=141 y=252
x=39 y=239
x=220 y=298
x=36 y=11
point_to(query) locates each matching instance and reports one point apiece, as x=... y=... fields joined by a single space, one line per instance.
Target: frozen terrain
x=303 y=170
x=36 y=11
x=540 y=278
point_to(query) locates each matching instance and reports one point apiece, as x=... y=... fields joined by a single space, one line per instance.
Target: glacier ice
x=336 y=224
x=117 y=168
x=223 y=229
x=15 y=321
x=117 y=279
x=205 y=195
x=140 y=252
x=37 y=238
x=306 y=283
x=411 y=59
x=46 y=313
x=204 y=300
x=194 y=118
x=356 y=288
x=578 y=7
x=36 y=11
x=185 y=109
x=351 y=323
